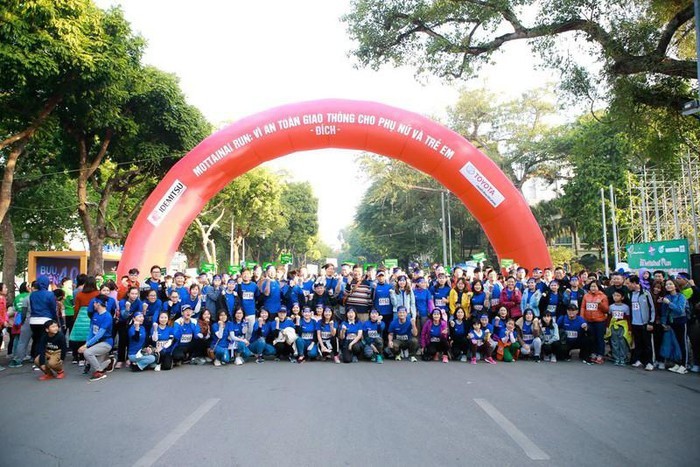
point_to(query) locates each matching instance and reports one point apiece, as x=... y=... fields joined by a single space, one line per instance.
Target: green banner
x=207 y=267
x=163 y=270
x=110 y=276
x=670 y=256
x=286 y=259
x=391 y=263
x=266 y=264
x=370 y=265
x=234 y=269
x=506 y=263
x=479 y=257
x=250 y=264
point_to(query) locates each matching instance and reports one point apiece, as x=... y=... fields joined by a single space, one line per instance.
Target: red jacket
x=512 y=304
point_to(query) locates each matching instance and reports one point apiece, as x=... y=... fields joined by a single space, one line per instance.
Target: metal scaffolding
x=664 y=202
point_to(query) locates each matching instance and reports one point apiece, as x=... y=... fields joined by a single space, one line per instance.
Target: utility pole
x=444 y=233
x=230 y=261
x=613 y=218
x=605 y=232
x=449 y=228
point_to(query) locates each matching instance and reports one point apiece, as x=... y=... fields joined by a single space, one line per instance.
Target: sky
x=237 y=58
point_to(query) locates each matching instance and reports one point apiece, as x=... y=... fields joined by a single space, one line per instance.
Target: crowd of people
x=648 y=320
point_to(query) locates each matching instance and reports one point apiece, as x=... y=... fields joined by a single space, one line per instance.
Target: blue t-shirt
x=435 y=334
x=477 y=336
x=136 y=339
x=248 y=294
x=224 y=341
x=239 y=329
x=100 y=329
x=286 y=323
x=528 y=337
x=163 y=336
x=325 y=329
x=153 y=309
x=460 y=328
x=272 y=302
x=423 y=296
x=351 y=330
x=441 y=296
x=186 y=332
x=307 y=330
x=373 y=330
x=230 y=300
x=382 y=299
x=477 y=303
x=133 y=308
x=572 y=329
x=401 y=331
x=261 y=332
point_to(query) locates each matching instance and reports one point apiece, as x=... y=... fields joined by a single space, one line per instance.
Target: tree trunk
x=8 y=177
x=9 y=257
x=96 y=244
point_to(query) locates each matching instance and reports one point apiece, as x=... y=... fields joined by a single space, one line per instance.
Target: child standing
x=51 y=352
x=619 y=329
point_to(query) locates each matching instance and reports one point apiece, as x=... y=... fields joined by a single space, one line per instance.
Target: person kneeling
x=51 y=352
x=372 y=332
x=99 y=343
x=351 y=337
x=140 y=356
x=402 y=337
x=306 y=342
x=508 y=345
x=434 y=337
x=480 y=340
x=530 y=342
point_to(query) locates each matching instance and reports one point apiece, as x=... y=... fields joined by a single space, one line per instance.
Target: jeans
x=222 y=354
x=23 y=342
x=143 y=361
x=618 y=344
x=250 y=319
x=98 y=355
x=242 y=350
x=372 y=347
x=260 y=347
x=303 y=350
x=597 y=333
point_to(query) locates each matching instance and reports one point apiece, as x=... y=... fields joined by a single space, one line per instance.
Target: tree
x=48 y=51
x=300 y=211
x=452 y=39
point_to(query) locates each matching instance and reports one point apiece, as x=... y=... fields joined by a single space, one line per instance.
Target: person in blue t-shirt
x=248 y=294
x=350 y=337
x=240 y=341
x=194 y=300
x=99 y=342
x=270 y=289
x=222 y=333
x=187 y=336
x=140 y=356
x=573 y=334
x=424 y=301
x=373 y=341
x=381 y=300
x=458 y=335
x=163 y=337
x=261 y=337
x=306 y=342
x=441 y=292
x=173 y=306
x=403 y=336
x=327 y=336
x=127 y=307
x=230 y=298
x=435 y=337
x=284 y=338
x=151 y=308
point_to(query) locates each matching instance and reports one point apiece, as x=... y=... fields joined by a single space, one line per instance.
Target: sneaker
x=336 y=359
x=216 y=362
x=435 y=357
x=260 y=360
x=674 y=368
x=463 y=358
x=599 y=360
x=413 y=359
x=637 y=364
x=45 y=377
x=490 y=360
x=380 y=359
x=238 y=361
x=208 y=360
x=300 y=359
x=445 y=359
x=537 y=359
x=98 y=375
x=15 y=364
x=74 y=362
x=473 y=362
x=649 y=367
x=26 y=358
x=660 y=365
x=586 y=362
x=157 y=368
x=111 y=366
x=118 y=366
x=61 y=375
x=693 y=369
x=81 y=363
x=292 y=359
x=36 y=368
x=553 y=359
x=398 y=358
x=682 y=370
x=354 y=359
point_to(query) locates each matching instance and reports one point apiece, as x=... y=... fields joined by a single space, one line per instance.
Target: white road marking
x=530 y=448
x=166 y=443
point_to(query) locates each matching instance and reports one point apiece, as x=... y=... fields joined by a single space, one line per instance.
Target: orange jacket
x=594 y=307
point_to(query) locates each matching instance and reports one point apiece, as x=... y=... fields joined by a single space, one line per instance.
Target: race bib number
x=350 y=337
x=402 y=337
x=307 y=336
x=635 y=306
x=186 y=338
x=551 y=308
x=384 y=301
x=160 y=345
x=95 y=329
x=325 y=335
x=592 y=306
x=439 y=302
x=373 y=334
x=572 y=334
x=434 y=339
x=528 y=337
x=495 y=301
x=247 y=295
x=618 y=314
x=478 y=307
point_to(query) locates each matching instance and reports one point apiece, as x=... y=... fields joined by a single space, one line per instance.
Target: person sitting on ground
x=458 y=336
x=402 y=338
x=51 y=352
x=372 y=332
x=479 y=340
x=529 y=337
x=327 y=336
x=164 y=337
x=435 y=336
x=261 y=337
x=140 y=356
x=187 y=333
x=241 y=350
x=350 y=337
x=573 y=334
x=306 y=342
x=221 y=331
x=99 y=342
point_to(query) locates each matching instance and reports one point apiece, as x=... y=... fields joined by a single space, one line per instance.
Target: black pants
x=332 y=343
x=583 y=343
x=460 y=346
x=553 y=348
x=681 y=332
x=434 y=347
x=658 y=335
x=643 y=350
x=347 y=353
x=184 y=352
x=37 y=331
x=74 y=346
x=165 y=360
x=70 y=321
x=122 y=332
x=387 y=319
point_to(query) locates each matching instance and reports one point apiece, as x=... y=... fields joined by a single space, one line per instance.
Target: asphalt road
x=399 y=413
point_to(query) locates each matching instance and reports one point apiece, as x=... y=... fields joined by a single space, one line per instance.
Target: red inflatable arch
x=365 y=126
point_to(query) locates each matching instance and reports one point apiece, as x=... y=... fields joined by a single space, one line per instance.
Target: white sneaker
x=553 y=359
x=695 y=369
x=414 y=359
x=238 y=361
x=674 y=368
x=217 y=362
x=637 y=364
x=81 y=363
x=463 y=358
x=649 y=367
x=157 y=368
x=682 y=370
